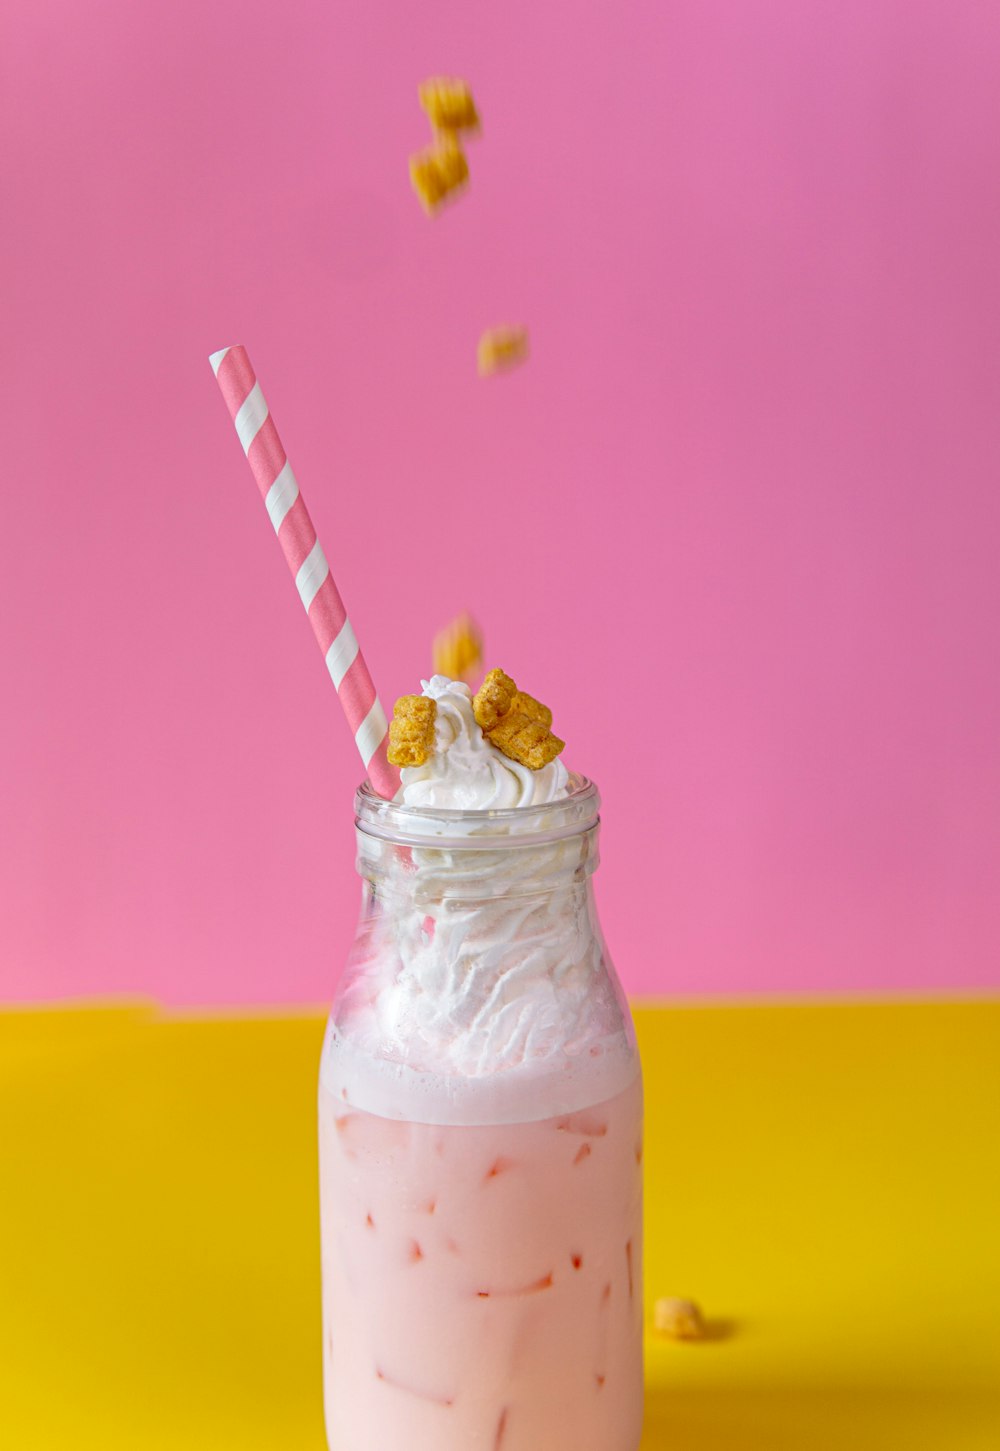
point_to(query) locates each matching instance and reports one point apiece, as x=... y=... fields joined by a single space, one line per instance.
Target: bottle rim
x=490 y=829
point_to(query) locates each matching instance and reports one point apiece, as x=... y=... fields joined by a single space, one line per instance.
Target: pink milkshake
x=480 y=1123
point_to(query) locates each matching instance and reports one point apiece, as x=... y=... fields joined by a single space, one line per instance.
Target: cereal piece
x=678 y=1319
x=438 y=171
x=493 y=699
x=501 y=348
x=534 y=709
x=515 y=722
x=524 y=739
x=458 y=649
x=411 y=730
x=449 y=104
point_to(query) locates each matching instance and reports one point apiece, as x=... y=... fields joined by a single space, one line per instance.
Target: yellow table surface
x=825 y=1179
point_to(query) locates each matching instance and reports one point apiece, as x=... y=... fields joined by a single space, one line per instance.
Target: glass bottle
x=480 y=1115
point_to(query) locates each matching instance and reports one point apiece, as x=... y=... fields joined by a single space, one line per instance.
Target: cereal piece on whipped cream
x=524 y=739
x=515 y=722
x=493 y=699
x=678 y=1319
x=534 y=709
x=438 y=171
x=458 y=648
x=411 y=730
x=501 y=348
x=449 y=104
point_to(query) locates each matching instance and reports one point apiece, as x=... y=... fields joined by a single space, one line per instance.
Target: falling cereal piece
x=502 y=348
x=438 y=172
x=678 y=1319
x=458 y=649
x=449 y=104
x=411 y=730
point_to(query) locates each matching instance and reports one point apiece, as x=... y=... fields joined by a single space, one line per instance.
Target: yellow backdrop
x=824 y=1179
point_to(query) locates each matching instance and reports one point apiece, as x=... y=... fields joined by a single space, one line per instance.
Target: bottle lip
x=490 y=829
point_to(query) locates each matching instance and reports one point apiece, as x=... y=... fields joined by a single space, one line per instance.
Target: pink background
x=738 y=519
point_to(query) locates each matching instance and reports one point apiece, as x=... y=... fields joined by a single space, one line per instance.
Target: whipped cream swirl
x=466 y=772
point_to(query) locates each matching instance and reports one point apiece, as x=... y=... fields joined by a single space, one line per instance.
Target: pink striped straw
x=313 y=580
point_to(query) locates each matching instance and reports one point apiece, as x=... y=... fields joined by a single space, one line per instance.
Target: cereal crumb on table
x=678 y=1319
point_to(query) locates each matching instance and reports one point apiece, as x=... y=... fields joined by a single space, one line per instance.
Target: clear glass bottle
x=480 y=1144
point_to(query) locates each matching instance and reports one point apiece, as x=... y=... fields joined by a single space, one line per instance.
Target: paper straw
x=320 y=597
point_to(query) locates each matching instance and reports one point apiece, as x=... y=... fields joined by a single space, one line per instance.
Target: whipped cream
x=466 y=772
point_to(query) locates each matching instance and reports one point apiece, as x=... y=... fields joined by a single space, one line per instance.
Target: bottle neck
x=478 y=874
x=479 y=855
